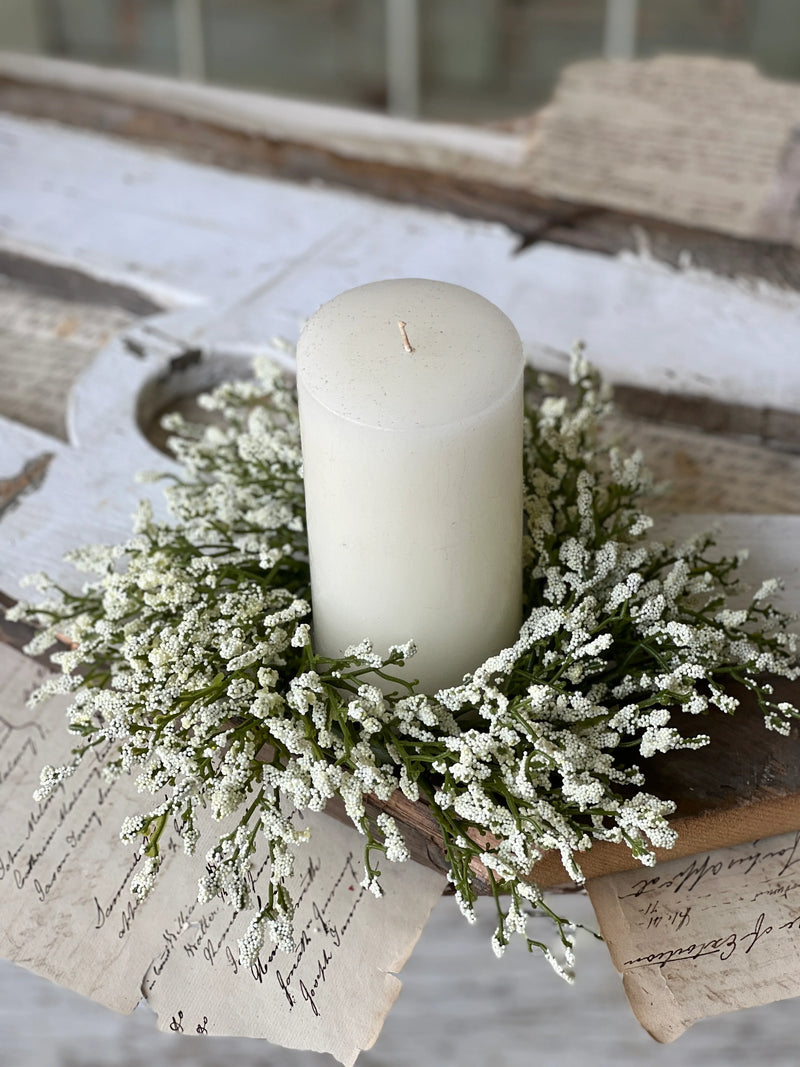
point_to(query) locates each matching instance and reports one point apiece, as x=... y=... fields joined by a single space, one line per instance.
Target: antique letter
x=705 y=934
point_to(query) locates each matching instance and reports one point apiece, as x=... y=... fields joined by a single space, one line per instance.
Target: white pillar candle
x=411 y=410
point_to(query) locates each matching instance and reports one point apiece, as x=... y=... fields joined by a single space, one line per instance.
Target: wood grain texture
x=187 y=235
x=526 y=180
x=745 y=787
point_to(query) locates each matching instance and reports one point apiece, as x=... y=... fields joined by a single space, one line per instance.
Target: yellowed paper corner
x=706 y=934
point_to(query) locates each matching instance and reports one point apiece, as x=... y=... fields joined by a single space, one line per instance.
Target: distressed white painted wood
x=177 y=232
x=643 y=324
x=19 y=444
x=184 y=234
x=622 y=135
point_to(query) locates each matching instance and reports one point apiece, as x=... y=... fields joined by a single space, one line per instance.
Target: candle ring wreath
x=193 y=664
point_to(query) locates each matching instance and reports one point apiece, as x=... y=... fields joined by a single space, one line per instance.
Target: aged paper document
x=698 y=140
x=706 y=934
x=333 y=994
x=68 y=915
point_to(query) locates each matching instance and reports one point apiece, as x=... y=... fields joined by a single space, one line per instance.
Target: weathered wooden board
x=45 y=342
x=538 y=175
x=183 y=234
x=443 y=148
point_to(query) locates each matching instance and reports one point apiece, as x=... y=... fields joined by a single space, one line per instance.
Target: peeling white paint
x=187 y=234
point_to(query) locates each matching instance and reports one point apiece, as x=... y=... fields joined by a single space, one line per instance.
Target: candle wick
x=406 y=343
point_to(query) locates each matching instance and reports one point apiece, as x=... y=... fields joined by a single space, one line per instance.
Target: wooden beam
x=402 y=57
x=620 y=30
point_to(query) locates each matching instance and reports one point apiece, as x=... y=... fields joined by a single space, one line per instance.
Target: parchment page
x=707 y=934
x=334 y=992
x=68 y=915
x=698 y=140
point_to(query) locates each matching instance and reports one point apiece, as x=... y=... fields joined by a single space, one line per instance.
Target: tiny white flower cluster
x=194 y=666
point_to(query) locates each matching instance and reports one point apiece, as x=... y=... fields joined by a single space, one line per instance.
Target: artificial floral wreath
x=194 y=665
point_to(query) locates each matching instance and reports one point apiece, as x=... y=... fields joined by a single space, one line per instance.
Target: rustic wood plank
x=45 y=343
x=487 y=154
x=519 y=178
x=182 y=234
x=750 y=789
x=776 y=428
x=700 y=472
x=102 y=221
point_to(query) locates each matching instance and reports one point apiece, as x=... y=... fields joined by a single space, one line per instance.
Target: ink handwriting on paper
x=178 y=1025
x=321 y=938
x=104 y=911
x=657 y=914
x=765 y=873
x=30 y=734
x=724 y=946
x=68 y=816
x=322 y=993
x=701 y=871
x=69 y=914
x=705 y=934
x=21 y=859
x=326 y=906
x=170 y=937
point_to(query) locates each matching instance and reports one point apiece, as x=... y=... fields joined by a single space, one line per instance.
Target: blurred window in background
x=461 y=60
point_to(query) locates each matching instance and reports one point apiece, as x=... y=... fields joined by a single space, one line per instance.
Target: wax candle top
x=409 y=353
